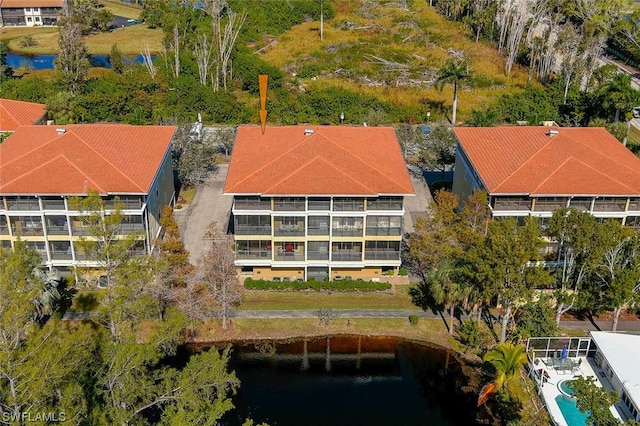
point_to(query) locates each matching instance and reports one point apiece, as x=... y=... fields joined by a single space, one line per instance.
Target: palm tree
x=50 y=283
x=445 y=291
x=507 y=359
x=454 y=72
x=618 y=94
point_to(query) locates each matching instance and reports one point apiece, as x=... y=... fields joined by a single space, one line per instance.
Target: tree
x=618 y=95
x=116 y=59
x=577 y=254
x=617 y=273
x=501 y=264
x=535 y=319
x=507 y=359
x=72 y=61
x=595 y=400
x=193 y=154
x=439 y=149
x=440 y=287
x=6 y=72
x=454 y=72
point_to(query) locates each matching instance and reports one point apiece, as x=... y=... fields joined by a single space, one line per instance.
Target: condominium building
x=317 y=202
x=30 y=13
x=533 y=171
x=14 y=114
x=43 y=167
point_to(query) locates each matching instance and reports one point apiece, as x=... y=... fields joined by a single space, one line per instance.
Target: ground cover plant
x=341 y=285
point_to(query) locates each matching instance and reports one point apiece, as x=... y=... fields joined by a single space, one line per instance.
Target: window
x=29 y=19
x=633 y=222
x=57 y=225
x=634 y=204
x=27 y=9
x=37 y=19
x=511 y=203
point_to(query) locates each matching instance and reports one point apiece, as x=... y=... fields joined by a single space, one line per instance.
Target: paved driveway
x=208 y=206
x=416 y=207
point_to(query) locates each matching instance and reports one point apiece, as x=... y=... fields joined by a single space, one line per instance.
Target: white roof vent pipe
x=308 y=132
x=553 y=132
x=61 y=130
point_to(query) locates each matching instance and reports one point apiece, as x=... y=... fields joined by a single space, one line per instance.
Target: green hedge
x=342 y=285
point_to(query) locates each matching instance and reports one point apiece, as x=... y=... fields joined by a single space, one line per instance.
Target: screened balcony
x=511 y=203
x=581 y=203
x=292 y=204
x=288 y=226
x=347 y=226
x=382 y=250
x=634 y=204
x=633 y=222
x=252 y=203
x=348 y=204
x=253 y=249
x=610 y=204
x=550 y=204
x=292 y=251
x=40 y=247
x=346 y=251
x=4 y=227
x=27 y=226
x=57 y=225
x=252 y=225
x=79 y=227
x=384 y=225
x=131 y=224
x=22 y=203
x=53 y=203
x=319 y=204
x=318 y=225
x=123 y=202
x=384 y=203
x=60 y=250
x=318 y=250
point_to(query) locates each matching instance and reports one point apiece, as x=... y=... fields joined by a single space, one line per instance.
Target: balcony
x=382 y=255
x=253 y=254
x=80 y=230
x=319 y=204
x=129 y=228
x=348 y=204
x=253 y=230
x=346 y=256
x=511 y=203
x=15 y=204
x=133 y=203
x=252 y=204
x=289 y=204
x=384 y=203
x=61 y=255
x=4 y=230
x=57 y=230
x=347 y=231
x=384 y=231
x=27 y=229
x=53 y=204
x=60 y=250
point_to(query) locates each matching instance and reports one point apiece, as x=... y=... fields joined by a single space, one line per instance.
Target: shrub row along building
x=309 y=202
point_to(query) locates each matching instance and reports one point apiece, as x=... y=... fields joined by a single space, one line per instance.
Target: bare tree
x=72 y=62
x=176 y=50
x=214 y=291
x=224 y=39
x=146 y=58
x=202 y=50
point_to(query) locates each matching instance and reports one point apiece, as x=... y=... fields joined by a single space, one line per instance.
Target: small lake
x=45 y=62
x=351 y=380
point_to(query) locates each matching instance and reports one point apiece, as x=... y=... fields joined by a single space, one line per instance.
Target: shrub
x=403 y=272
x=178 y=206
x=468 y=332
x=413 y=319
x=343 y=285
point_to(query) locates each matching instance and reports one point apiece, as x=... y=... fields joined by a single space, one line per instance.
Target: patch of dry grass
x=420 y=38
x=130 y=40
x=275 y=300
x=429 y=330
x=118 y=8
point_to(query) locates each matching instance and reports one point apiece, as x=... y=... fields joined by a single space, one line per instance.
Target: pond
x=45 y=62
x=352 y=380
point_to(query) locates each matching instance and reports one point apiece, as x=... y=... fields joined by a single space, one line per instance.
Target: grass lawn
x=130 y=40
x=118 y=8
x=274 y=300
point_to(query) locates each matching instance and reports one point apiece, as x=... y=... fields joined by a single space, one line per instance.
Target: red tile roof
x=334 y=160
x=529 y=160
x=14 y=114
x=111 y=158
x=6 y=4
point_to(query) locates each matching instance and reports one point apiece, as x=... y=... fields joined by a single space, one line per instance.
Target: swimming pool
x=565 y=389
x=570 y=412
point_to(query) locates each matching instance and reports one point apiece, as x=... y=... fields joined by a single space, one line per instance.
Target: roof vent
x=61 y=130
x=308 y=132
x=552 y=132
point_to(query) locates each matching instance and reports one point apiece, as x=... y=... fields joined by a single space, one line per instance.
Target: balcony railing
x=289 y=230
x=318 y=230
x=347 y=232
x=23 y=205
x=253 y=230
x=131 y=227
x=381 y=255
x=27 y=230
x=124 y=204
x=61 y=255
x=83 y=256
x=293 y=206
x=289 y=256
x=348 y=256
x=77 y=230
x=4 y=230
x=373 y=204
x=319 y=204
x=254 y=254
x=57 y=230
x=318 y=255
x=393 y=231
x=54 y=204
x=253 y=204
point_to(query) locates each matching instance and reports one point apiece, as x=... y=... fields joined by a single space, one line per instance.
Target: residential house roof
x=317 y=160
x=622 y=351
x=550 y=161
x=110 y=158
x=17 y=113
x=7 y=4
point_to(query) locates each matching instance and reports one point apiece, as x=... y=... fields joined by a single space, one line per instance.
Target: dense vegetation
x=341 y=285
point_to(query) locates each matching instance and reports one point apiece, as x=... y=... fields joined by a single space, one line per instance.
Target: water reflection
x=346 y=381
